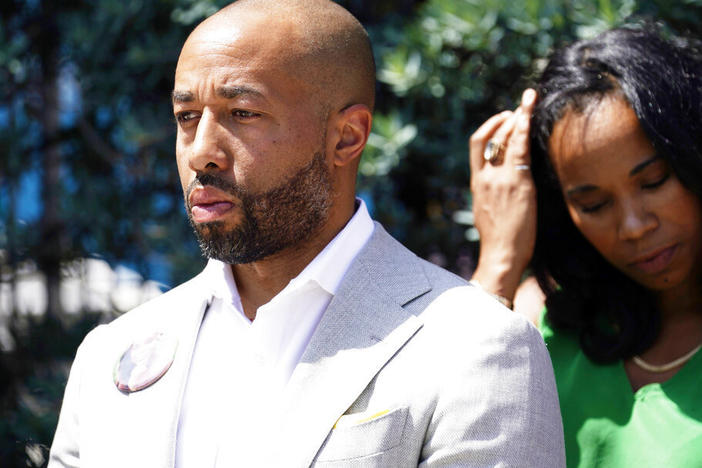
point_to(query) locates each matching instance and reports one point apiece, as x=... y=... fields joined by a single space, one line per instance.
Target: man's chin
x=217 y=241
x=209 y=228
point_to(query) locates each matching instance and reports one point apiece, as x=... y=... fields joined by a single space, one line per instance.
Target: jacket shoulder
x=157 y=313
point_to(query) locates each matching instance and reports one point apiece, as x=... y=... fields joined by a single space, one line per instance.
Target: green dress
x=606 y=425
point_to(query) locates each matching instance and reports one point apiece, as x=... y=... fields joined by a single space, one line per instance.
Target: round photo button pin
x=145 y=362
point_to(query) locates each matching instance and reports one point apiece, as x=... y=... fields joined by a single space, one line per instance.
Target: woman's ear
x=353 y=127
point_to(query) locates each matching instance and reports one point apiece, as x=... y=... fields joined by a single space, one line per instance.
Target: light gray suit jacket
x=409 y=366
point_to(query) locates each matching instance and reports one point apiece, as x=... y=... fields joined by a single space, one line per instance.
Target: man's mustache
x=203 y=180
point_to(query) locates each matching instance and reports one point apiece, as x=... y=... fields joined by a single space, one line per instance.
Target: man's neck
x=258 y=282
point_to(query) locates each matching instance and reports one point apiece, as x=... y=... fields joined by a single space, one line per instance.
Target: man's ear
x=353 y=126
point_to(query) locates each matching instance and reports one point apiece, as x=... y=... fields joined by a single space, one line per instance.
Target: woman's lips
x=657 y=261
x=208 y=212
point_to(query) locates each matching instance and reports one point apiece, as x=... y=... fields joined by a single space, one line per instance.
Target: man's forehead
x=237 y=43
x=228 y=74
x=261 y=29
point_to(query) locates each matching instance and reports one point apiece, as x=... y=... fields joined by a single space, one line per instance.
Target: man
x=312 y=337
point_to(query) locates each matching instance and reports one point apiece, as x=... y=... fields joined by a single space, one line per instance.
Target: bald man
x=311 y=337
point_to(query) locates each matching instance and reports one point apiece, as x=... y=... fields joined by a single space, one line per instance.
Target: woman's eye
x=656 y=183
x=593 y=207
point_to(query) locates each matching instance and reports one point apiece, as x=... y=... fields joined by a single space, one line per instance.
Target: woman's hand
x=504 y=198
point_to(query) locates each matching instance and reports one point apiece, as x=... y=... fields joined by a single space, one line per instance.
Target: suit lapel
x=363 y=327
x=156 y=409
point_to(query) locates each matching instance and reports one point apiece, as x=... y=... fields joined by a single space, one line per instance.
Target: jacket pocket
x=364 y=434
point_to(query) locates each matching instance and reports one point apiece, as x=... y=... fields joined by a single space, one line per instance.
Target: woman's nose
x=636 y=221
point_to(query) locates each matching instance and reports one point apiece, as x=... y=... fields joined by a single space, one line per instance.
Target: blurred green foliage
x=445 y=70
x=84 y=106
x=32 y=379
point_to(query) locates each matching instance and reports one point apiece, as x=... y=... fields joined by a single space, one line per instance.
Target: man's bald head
x=273 y=101
x=318 y=41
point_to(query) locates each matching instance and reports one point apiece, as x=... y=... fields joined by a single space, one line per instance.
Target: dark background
x=87 y=165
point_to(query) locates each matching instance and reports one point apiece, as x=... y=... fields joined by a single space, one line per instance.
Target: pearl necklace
x=665 y=367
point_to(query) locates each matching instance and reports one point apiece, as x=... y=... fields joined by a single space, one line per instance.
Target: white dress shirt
x=239 y=367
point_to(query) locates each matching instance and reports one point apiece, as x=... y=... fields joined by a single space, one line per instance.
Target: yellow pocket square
x=347 y=420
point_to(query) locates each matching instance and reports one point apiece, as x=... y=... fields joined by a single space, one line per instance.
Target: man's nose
x=636 y=220
x=208 y=150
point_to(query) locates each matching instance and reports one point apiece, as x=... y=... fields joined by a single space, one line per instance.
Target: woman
x=598 y=186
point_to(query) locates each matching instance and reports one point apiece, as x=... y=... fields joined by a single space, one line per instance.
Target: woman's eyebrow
x=589 y=187
x=641 y=166
x=581 y=189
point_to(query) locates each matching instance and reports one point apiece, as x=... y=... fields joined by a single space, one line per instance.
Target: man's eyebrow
x=641 y=166
x=182 y=96
x=231 y=92
x=227 y=92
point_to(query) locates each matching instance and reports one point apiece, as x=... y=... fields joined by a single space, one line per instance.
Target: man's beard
x=281 y=217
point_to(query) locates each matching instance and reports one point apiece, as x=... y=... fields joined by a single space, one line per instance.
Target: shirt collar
x=328 y=268
x=219 y=279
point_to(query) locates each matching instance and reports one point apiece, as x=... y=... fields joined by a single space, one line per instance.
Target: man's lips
x=656 y=261
x=208 y=204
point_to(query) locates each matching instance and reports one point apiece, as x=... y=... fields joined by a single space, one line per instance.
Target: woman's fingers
x=504 y=199
x=481 y=136
x=517 y=153
x=502 y=135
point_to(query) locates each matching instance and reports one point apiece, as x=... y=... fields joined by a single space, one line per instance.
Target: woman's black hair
x=612 y=316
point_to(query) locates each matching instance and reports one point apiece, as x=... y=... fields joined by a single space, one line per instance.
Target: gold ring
x=494 y=151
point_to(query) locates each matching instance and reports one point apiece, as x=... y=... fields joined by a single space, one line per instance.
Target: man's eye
x=244 y=114
x=185 y=116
